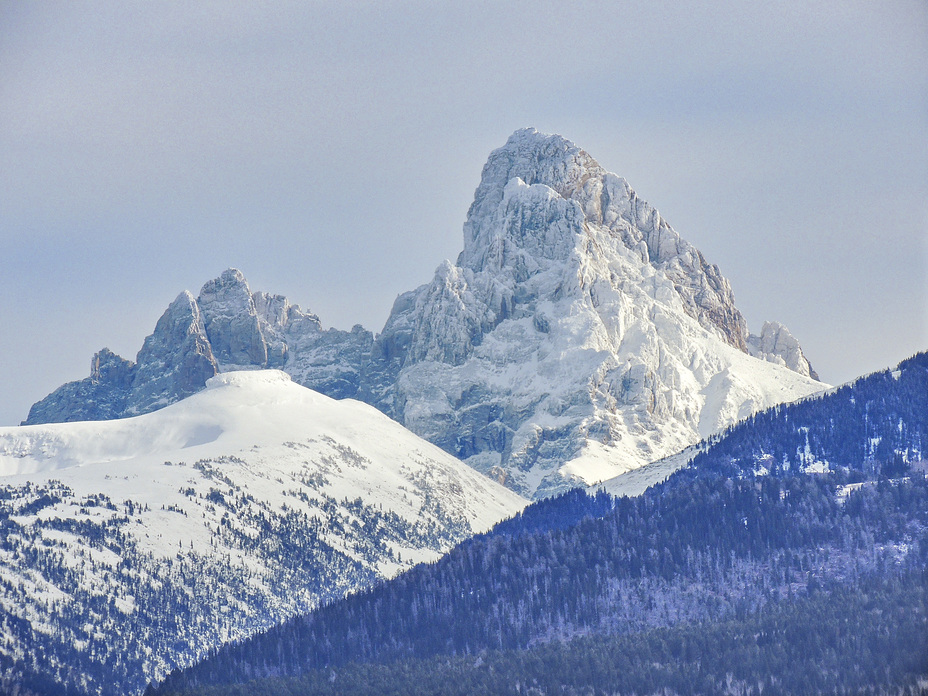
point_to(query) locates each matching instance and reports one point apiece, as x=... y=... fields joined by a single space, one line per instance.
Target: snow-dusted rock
x=256 y=330
x=231 y=321
x=577 y=336
x=226 y=328
x=598 y=198
x=777 y=345
x=174 y=362
x=98 y=397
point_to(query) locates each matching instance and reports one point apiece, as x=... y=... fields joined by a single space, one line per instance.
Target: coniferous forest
x=868 y=639
x=789 y=557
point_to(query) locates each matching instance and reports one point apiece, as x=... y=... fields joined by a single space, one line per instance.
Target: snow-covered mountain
x=576 y=337
x=129 y=547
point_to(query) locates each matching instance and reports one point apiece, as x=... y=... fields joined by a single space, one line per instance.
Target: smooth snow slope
x=233 y=509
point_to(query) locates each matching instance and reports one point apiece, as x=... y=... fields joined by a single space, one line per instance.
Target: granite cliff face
x=577 y=336
x=175 y=361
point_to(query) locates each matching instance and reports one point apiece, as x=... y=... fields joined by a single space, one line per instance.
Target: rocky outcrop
x=777 y=345
x=174 y=362
x=101 y=396
x=231 y=321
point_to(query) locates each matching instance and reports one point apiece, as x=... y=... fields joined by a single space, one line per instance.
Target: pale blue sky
x=330 y=151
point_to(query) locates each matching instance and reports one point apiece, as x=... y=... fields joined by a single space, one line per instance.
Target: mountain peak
x=231 y=320
x=577 y=326
x=228 y=327
x=541 y=197
x=538 y=157
x=535 y=158
x=231 y=277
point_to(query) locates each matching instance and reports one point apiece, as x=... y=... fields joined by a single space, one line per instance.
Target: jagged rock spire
x=576 y=336
x=228 y=327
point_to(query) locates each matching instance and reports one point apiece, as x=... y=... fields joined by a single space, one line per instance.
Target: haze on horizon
x=330 y=151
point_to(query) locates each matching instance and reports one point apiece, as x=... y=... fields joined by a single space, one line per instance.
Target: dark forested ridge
x=720 y=550
x=873 y=637
x=740 y=536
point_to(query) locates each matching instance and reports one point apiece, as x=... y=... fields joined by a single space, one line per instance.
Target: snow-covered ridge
x=244 y=378
x=238 y=413
x=235 y=508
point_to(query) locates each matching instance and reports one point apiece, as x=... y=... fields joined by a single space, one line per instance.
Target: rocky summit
x=228 y=327
x=577 y=336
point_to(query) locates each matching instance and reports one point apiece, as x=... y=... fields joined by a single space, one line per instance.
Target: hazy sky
x=330 y=151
